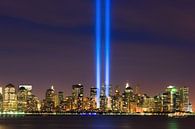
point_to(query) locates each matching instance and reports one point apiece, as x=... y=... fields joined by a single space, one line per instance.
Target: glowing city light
x=107 y=46
x=98 y=49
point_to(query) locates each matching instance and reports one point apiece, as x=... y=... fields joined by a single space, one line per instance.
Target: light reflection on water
x=97 y=122
x=2 y=127
x=173 y=124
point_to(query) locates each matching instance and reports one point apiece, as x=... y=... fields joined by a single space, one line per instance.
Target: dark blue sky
x=47 y=42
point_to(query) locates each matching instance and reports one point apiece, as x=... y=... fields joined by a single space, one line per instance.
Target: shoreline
x=175 y=115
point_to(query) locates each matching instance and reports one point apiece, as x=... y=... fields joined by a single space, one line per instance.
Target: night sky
x=52 y=42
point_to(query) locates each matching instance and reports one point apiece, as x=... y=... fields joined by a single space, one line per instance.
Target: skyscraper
x=127 y=98
x=1 y=103
x=1 y=90
x=103 y=99
x=49 y=102
x=22 y=99
x=117 y=103
x=1 y=99
x=10 y=99
x=93 y=99
x=60 y=97
x=27 y=87
x=184 y=97
x=171 y=99
x=77 y=94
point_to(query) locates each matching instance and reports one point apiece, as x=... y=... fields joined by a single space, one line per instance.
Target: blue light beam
x=107 y=46
x=98 y=50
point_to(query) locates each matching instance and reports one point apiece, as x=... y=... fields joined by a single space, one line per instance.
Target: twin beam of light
x=98 y=47
x=107 y=46
x=98 y=50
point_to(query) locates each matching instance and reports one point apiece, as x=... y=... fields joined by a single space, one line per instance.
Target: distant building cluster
x=21 y=99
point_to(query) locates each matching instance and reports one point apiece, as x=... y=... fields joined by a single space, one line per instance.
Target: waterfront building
x=68 y=104
x=1 y=102
x=93 y=99
x=175 y=98
x=77 y=94
x=171 y=101
x=103 y=99
x=28 y=88
x=184 y=97
x=33 y=104
x=117 y=101
x=49 y=102
x=1 y=99
x=1 y=90
x=109 y=99
x=158 y=101
x=22 y=99
x=149 y=104
x=86 y=104
x=190 y=108
x=127 y=98
x=60 y=97
x=9 y=99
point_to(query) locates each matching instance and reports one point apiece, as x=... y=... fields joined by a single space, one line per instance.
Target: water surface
x=95 y=122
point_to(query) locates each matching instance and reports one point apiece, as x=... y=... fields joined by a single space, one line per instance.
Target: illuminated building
x=117 y=103
x=184 y=97
x=49 y=102
x=127 y=98
x=1 y=103
x=68 y=104
x=93 y=99
x=27 y=87
x=171 y=101
x=33 y=104
x=22 y=99
x=86 y=104
x=10 y=99
x=61 y=97
x=103 y=99
x=149 y=104
x=27 y=102
x=158 y=104
x=77 y=94
x=190 y=109
x=1 y=99
x=1 y=90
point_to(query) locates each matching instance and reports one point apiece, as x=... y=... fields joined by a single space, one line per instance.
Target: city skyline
x=21 y=99
x=54 y=44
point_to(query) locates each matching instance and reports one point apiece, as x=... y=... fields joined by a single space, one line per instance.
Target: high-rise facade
x=93 y=99
x=22 y=96
x=184 y=97
x=28 y=88
x=10 y=98
x=77 y=94
x=49 y=102
x=103 y=99
x=127 y=98
x=117 y=102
